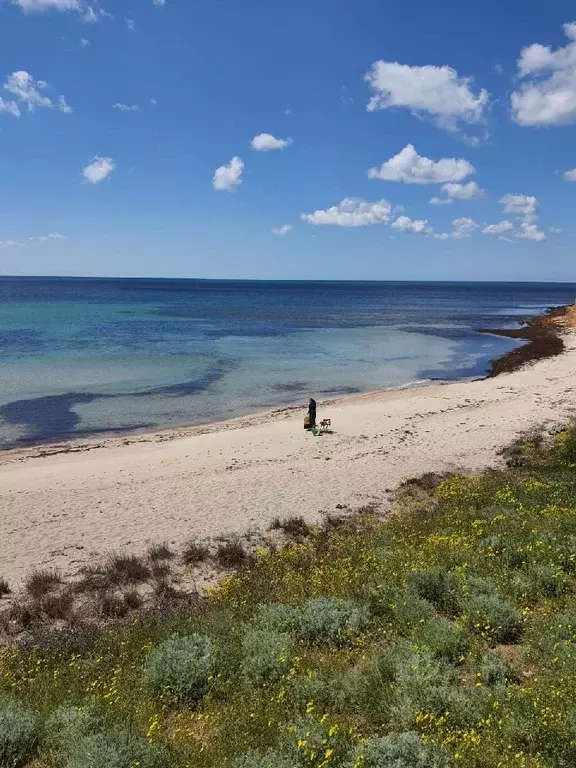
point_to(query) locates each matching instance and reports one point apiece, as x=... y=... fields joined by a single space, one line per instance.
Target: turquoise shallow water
x=83 y=356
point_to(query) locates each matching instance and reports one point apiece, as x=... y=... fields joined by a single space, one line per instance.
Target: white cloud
x=89 y=13
x=85 y=43
x=126 y=107
x=28 y=95
x=10 y=244
x=521 y=205
x=530 y=232
x=417 y=226
x=264 y=142
x=461 y=228
x=38 y=6
x=63 y=106
x=99 y=169
x=569 y=175
x=435 y=91
x=159 y=2
x=153 y=102
x=556 y=230
x=283 y=230
x=130 y=24
x=27 y=90
x=10 y=106
x=351 y=212
x=548 y=96
x=454 y=191
x=409 y=167
x=228 y=176
x=498 y=229
x=47 y=238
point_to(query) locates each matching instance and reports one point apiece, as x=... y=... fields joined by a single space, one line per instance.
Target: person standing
x=312 y=413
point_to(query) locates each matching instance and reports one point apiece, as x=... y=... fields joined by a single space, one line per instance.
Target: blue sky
x=346 y=120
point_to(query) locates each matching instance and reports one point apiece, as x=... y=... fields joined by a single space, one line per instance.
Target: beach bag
x=307 y=421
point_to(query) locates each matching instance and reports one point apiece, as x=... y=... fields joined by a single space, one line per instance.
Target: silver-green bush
x=278 y=617
x=268 y=759
x=114 y=749
x=266 y=655
x=399 y=750
x=495 y=618
x=68 y=724
x=443 y=638
x=17 y=734
x=180 y=668
x=332 y=621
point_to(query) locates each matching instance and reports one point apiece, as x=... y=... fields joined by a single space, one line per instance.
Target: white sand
x=63 y=509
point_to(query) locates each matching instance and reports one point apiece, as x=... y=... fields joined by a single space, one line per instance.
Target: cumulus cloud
x=283 y=230
x=159 y=2
x=461 y=228
x=126 y=107
x=27 y=95
x=264 y=142
x=498 y=229
x=548 y=94
x=409 y=167
x=525 y=206
x=438 y=92
x=99 y=169
x=530 y=232
x=228 y=176
x=455 y=191
x=130 y=24
x=10 y=244
x=351 y=212
x=569 y=175
x=417 y=226
x=85 y=43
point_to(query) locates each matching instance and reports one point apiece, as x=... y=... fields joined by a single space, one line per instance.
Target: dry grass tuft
x=127 y=569
x=161 y=551
x=41 y=582
x=194 y=553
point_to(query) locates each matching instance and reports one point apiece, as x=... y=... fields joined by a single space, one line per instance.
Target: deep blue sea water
x=83 y=356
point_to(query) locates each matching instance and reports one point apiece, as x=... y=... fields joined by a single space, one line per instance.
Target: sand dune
x=63 y=506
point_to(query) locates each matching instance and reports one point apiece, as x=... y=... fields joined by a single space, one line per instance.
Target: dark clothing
x=312 y=413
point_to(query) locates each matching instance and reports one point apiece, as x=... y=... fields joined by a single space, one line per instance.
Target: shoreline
x=69 y=505
x=541 y=332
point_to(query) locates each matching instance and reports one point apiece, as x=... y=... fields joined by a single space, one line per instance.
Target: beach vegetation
x=4 y=588
x=41 y=582
x=294 y=527
x=18 y=733
x=195 y=553
x=159 y=552
x=127 y=569
x=231 y=554
x=443 y=635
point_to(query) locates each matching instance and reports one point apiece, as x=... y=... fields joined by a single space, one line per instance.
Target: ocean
x=82 y=356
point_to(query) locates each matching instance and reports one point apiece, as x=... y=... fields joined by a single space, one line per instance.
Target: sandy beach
x=63 y=506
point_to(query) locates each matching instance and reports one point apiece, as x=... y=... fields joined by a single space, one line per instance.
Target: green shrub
x=438 y=587
x=180 y=667
x=493 y=670
x=398 y=750
x=114 y=749
x=269 y=759
x=401 y=607
x=443 y=638
x=332 y=621
x=17 y=734
x=266 y=655
x=68 y=724
x=495 y=618
x=278 y=617
x=547 y=581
